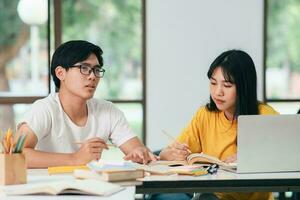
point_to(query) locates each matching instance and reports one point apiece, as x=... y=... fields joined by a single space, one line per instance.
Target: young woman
x=213 y=129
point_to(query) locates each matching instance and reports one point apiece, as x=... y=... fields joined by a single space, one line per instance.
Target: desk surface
x=40 y=175
x=221 y=182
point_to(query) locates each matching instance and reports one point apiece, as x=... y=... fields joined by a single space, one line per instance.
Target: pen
x=173 y=139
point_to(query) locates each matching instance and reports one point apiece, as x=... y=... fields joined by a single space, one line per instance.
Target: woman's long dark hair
x=238 y=68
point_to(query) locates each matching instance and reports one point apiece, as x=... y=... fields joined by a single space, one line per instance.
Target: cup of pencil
x=12 y=160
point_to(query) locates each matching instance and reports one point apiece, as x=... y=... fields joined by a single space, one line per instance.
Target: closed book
x=65 y=169
x=116 y=171
x=122 y=175
x=110 y=175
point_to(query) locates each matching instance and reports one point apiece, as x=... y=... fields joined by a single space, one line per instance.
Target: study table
x=222 y=181
x=41 y=175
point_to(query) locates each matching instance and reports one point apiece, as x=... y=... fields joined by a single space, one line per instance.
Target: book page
x=155 y=169
x=51 y=187
x=92 y=187
x=169 y=162
x=211 y=159
x=88 y=186
x=201 y=157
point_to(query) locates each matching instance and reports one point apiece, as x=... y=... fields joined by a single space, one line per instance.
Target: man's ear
x=60 y=72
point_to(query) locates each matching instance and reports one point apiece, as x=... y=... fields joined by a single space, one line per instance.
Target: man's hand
x=90 y=149
x=176 y=151
x=141 y=154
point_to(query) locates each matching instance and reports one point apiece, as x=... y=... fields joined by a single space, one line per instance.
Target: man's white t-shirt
x=56 y=132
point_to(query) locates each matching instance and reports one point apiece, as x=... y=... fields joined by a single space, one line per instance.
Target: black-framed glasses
x=87 y=70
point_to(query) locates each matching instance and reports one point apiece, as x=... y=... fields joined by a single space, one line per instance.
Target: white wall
x=183 y=38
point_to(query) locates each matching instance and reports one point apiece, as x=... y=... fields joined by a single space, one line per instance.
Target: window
x=282 y=61
x=23 y=55
x=116 y=26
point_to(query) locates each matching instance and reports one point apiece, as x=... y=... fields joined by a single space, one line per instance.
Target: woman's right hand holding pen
x=90 y=149
x=175 y=151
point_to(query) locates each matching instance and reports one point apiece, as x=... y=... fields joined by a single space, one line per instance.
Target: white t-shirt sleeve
x=38 y=118
x=120 y=129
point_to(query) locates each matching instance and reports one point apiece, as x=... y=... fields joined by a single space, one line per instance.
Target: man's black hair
x=72 y=52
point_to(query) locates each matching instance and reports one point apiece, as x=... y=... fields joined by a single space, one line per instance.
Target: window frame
x=57 y=12
x=19 y=99
x=265 y=54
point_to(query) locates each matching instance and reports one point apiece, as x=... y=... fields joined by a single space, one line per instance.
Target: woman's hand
x=231 y=159
x=176 y=151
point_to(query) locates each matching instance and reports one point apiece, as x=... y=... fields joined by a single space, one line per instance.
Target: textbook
x=112 y=176
x=112 y=171
x=87 y=187
x=161 y=168
x=200 y=159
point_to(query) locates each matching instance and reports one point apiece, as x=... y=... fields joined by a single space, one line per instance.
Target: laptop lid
x=268 y=143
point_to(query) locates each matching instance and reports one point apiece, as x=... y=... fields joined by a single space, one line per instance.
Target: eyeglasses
x=87 y=70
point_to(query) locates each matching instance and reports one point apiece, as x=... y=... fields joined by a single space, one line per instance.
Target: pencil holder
x=13 y=169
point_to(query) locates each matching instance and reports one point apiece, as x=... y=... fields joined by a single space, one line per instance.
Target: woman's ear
x=60 y=72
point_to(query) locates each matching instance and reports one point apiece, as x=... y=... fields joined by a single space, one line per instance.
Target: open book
x=202 y=159
x=88 y=186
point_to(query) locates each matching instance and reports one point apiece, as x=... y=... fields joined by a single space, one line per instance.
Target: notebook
x=268 y=143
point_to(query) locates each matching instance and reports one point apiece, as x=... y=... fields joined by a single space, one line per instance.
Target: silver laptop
x=268 y=143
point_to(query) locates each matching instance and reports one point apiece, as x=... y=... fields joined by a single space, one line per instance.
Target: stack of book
x=110 y=171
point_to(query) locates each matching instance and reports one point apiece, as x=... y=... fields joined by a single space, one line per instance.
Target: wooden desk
x=221 y=182
x=41 y=175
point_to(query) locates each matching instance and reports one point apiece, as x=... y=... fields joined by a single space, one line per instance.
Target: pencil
x=173 y=139
x=169 y=136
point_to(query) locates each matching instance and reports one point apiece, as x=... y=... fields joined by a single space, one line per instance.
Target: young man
x=54 y=125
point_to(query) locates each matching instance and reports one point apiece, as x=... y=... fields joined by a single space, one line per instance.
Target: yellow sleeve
x=191 y=134
x=265 y=109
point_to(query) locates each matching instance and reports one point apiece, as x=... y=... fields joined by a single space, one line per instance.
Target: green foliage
x=283 y=44
x=10 y=23
x=115 y=25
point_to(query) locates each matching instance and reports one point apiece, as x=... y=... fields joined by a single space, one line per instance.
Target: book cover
x=65 y=169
